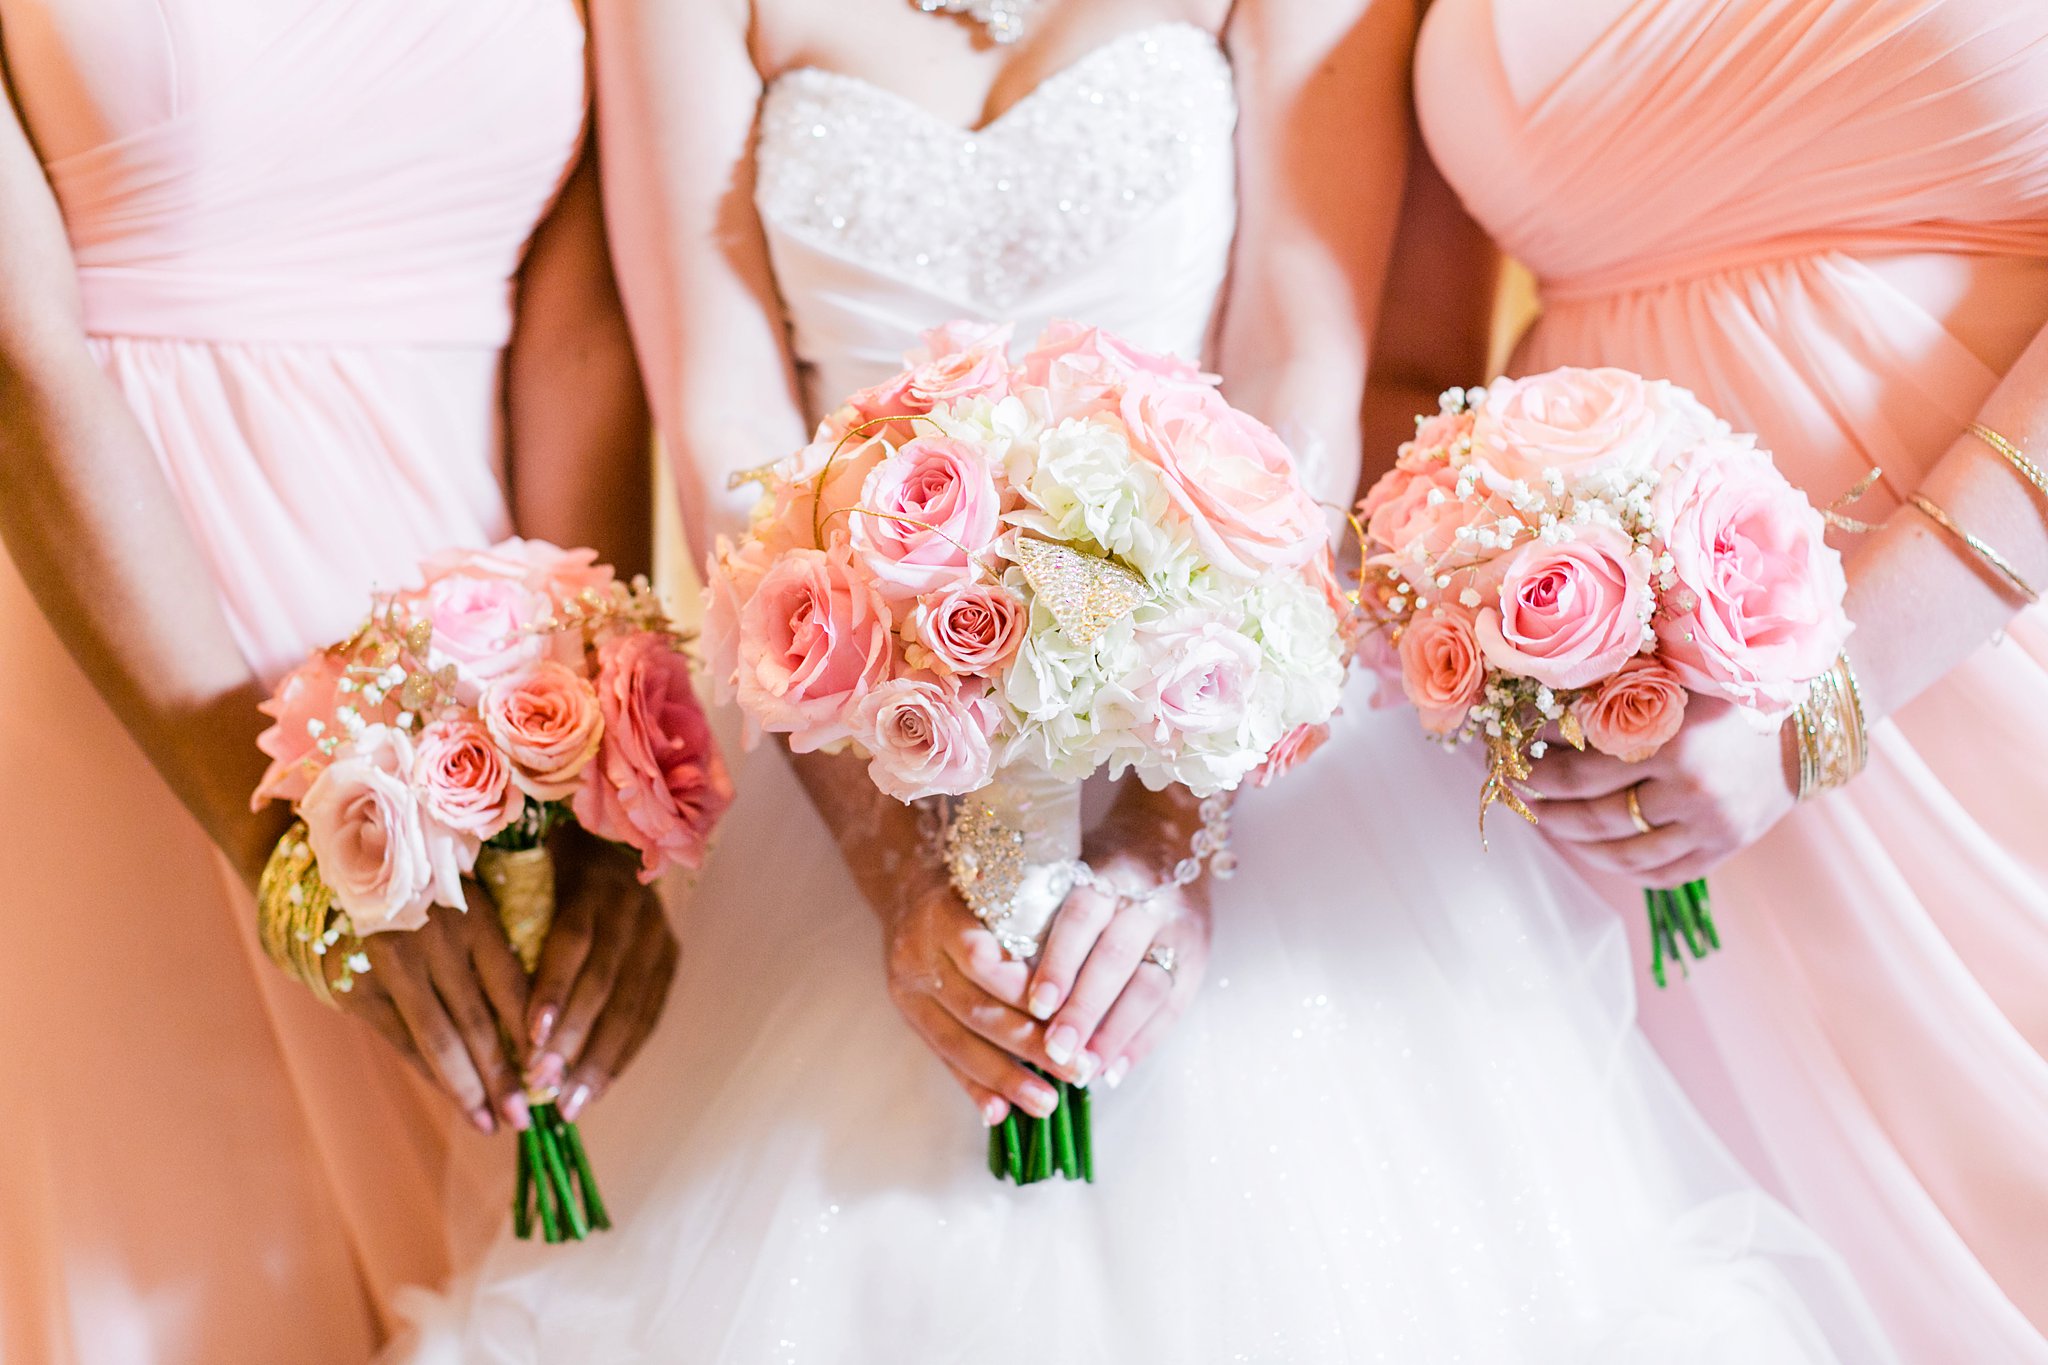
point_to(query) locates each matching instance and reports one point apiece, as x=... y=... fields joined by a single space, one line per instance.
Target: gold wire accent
x=1977 y=547
x=972 y=558
x=1833 y=515
x=825 y=472
x=2013 y=455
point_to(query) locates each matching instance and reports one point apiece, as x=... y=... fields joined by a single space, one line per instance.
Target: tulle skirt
x=1409 y=1119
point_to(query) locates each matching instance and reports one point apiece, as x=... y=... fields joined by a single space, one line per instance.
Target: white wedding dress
x=1409 y=1119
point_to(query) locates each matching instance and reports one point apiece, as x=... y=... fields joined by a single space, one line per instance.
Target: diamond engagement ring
x=1162 y=957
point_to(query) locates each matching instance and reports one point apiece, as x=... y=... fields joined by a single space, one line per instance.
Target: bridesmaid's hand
x=1108 y=1005
x=448 y=996
x=603 y=974
x=1711 y=792
x=963 y=996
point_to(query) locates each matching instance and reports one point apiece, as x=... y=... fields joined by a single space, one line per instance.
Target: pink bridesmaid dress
x=1830 y=219
x=296 y=223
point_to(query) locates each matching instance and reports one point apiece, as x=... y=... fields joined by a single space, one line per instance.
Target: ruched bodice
x=1830 y=219
x=1107 y=193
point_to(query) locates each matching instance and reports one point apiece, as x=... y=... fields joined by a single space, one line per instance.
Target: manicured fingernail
x=1045 y=998
x=1085 y=1069
x=573 y=1105
x=994 y=1110
x=546 y=1071
x=517 y=1114
x=1060 y=1042
x=483 y=1120
x=1041 y=1100
x=544 y=1026
x=1115 y=1075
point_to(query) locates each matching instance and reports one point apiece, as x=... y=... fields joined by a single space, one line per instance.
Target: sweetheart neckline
x=1035 y=94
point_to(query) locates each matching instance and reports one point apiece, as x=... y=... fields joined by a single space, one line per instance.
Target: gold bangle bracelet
x=2013 y=456
x=1977 y=547
x=1834 y=743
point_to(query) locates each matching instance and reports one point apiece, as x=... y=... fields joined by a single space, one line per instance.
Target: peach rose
x=1569 y=613
x=971 y=628
x=307 y=697
x=540 y=566
x=1100 y=356
x=732 y=574
x=936 y=505
x=1574 y=421
x=659 y=785
x=548 y=723
x=1291 y=752
x=385 y=861
x=464 y=778
x=1634 y=713
x=1229 y=474
x=925 y=738
x=1441 y=668
x=1759 y=614
x=1434 y=435
x=814 y=639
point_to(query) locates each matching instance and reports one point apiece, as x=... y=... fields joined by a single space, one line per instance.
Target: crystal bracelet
x=1834 y=740
x=1210 y=845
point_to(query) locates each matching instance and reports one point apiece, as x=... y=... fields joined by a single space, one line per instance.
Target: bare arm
x=1323 y=140
x=91 y=524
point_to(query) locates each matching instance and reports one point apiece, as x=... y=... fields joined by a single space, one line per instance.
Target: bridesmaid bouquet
x=516 y=689
x=993 y=579
x=1574 y=553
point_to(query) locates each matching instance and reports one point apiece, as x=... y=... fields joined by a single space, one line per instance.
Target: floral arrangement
x=998 y=577
x=1572 y=555
x=514 y=689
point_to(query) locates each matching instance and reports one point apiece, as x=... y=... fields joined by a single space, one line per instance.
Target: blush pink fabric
x=1830 y=219
x=296 y=224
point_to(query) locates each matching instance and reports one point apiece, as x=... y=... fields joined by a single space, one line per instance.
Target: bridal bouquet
x=1572 y=554
x=517 y=688
x=993 y=579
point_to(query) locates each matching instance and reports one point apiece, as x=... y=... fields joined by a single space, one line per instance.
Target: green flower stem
x=1684 y=912
x=1030 y=1152
x=579 y=1160
x=522 y=1195
x=1063 y=1134
x=575 y=1224
x=1042 y=1150
x=1084 y=1142
x=1013 y=1148
x=996 y=1166
x=531 y=1162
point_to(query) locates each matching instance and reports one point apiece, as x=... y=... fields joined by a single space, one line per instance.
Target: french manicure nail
x=1115 y=1075
x=481 y=1117
x=544 y=1026
x=546 y=1071
x=994 y=1110
x=1085 y=1069
x=573 y=1105
x=1041 y=1101
x=517 y=1114
x=1060 y=1043
x=1045 y=998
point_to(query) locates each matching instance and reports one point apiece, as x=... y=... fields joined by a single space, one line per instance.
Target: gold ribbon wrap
x=522 y=886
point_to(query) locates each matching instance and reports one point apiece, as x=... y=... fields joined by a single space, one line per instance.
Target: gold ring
x=1635 y=811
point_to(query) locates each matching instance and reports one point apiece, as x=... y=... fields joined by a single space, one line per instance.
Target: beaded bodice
x=1106 y=195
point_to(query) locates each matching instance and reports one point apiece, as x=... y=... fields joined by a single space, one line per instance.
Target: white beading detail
x=991 y=216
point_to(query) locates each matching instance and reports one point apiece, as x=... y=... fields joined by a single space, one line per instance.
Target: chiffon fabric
x=1408 y=1119
x=295 y=224
x=1829 y=218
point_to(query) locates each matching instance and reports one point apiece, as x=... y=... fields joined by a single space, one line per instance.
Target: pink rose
x=732 y=574
x=1569 y=614
x=385 y=861
x=1574 y=421
x=307 y=697
x=799 y=514
x=957 y=361
x=1291 y=752
x=1229 y=474
x=1434 y=437
x=464 y=779
x=814 y=639
x=484 y=626
x=540 y=566
x=548 y=723
x=1380 y=657
x=970 y=628
x=1758 y=614
x=938 y=505
x=1442 y=672
x=659 y=785
x=1085 y=370
x=925 y=738
x=1194 y=677
x=1634 y=713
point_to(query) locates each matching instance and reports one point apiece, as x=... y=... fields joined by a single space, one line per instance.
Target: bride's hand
x=1715 y=789
x=962 y=995
x=448 y=995
x=603 y=973
x=1108 y=1000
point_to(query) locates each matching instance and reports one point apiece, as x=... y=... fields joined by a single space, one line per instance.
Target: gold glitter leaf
x=1574 y=733
x=419 y=636
x=1087 y=594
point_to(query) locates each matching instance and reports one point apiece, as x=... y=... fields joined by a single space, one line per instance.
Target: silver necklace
x=1003 y=19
